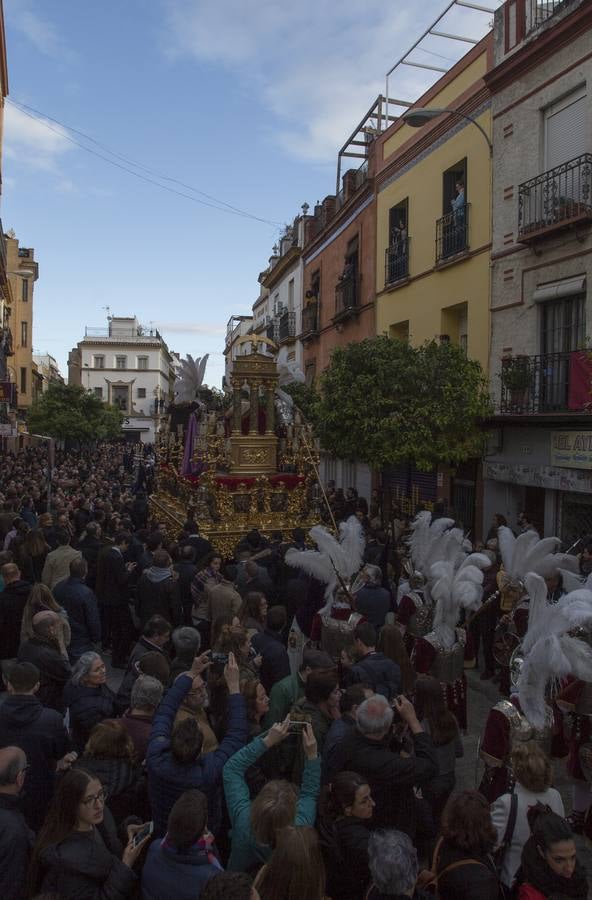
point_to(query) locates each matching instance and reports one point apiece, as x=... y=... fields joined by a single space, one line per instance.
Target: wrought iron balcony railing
x=547 y=383
x=541 y=10
x=346 y=297
x=396 y=264
x=452 y=233
x=287 y=325
x=310 y=319
x=557 y=198
x=273 y=330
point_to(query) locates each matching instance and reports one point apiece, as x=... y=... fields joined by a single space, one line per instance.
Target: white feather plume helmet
x=550 y=651
x=344 y=556
x=530 y=553
x=191 y=379
x=454 y=589
x=425 y=535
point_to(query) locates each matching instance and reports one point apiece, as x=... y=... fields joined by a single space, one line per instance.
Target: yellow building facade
x=22 y=272
x=432 y=264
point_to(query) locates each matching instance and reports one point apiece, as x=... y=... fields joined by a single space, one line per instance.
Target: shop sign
x=571 y=449
x=7 y=389
x=7 y=430
x=540 y=476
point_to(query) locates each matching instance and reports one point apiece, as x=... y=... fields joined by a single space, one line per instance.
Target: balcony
x=556 y=199
x=452 y=234
x=310 y=319
x=541 y=10
x=287 y=326
x=346 y=298
x=396 y=262
x=273 y=330
x=548 y=383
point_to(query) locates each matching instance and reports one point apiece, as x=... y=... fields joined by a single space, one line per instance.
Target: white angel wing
x=522 y=548
x=331 y=547
x=313 y=563
x=191 y=379
x=571 y=581
x=506 y=543
x=351 y=538
x=480 y=560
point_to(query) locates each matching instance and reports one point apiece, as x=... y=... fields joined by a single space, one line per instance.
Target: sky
x=245 y=101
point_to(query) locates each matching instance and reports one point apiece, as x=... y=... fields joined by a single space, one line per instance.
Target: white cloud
x=31 y=143
x=316 y=65
x=40 y=32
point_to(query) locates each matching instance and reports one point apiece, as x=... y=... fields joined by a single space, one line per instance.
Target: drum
x=504 y=644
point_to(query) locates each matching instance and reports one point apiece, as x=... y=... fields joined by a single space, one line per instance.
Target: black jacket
x=345 y=850
x=275 y=664
x=87 y=705
x=12 y=603
x=141 y=648
x=158 y=598
x=467 y=881
x=378 y=672
x=186 y=571
x=112 y=578
x=200 y=545
x=90 y=548
x=16 y=840
x=391 y=777
x=374 y=602
x=87 y=866
x=54 y=670
x=40 y=733
x=80 y=603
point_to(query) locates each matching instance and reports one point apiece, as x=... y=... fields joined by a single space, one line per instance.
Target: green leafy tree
x=306 y=398
x=383 y=402
x=68 y=412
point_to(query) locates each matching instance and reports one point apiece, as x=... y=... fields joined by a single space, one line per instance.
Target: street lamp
x=416 y=118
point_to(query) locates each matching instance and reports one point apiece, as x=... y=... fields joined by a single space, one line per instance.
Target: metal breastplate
x=448 y=665
x=338 y=634
x=521 y=730
x=420 y=622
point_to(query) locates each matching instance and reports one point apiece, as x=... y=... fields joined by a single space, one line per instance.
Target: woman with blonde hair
x=296 y=870
x=41 y=599
x=533 y=773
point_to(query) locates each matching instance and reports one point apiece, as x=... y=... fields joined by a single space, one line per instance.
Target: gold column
x=236 y=406
x=269 y=409
x=254 y=407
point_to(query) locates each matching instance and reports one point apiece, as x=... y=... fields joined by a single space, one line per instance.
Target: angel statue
x=187 y=387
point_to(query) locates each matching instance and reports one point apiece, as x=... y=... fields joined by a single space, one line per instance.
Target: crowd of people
x=179 y=724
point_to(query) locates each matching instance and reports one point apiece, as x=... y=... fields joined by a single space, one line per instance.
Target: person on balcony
x=457 y=231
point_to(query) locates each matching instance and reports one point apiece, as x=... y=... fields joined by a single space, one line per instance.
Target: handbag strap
x=511 y=823
x=459 y=863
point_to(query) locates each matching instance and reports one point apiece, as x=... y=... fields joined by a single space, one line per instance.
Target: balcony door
x=567 y=184
x=563 y=330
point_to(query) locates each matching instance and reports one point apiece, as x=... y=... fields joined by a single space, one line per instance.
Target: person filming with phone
x=372 y=751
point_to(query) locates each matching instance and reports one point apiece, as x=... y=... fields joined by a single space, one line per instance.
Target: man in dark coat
x=80 y=603
x=372 y=668
x=113 y=575
x=39 y=732
x=275 y=663
x=186 y=570
x=90 y=546
x=195 y=540
x=174 y=760
x=155 y=636
x=373 y=601
x=392 y=777
x=12 y=603
x=16 y=838
x=157 y=593
x=42 y=650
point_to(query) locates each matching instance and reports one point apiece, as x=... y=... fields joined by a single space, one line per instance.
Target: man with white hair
x=391 y=776
x=392 y=860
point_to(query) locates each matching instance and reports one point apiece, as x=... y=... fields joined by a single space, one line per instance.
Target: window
x=457 y=174
x=310 y=370
x=99 y=362
x=141 y=393
x=397 y=254
x=24 y=334
x=142 y=362
x=563 y=325
x=291 y=295
x=315 y=286
x=121 y=362
x=23 y=388
x=25 y=290
x=565 y=129
x=119 y=397
x=400 y=331
x=98 y=392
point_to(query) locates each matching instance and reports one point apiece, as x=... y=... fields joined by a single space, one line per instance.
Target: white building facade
x=130 y=367
x=540 y=450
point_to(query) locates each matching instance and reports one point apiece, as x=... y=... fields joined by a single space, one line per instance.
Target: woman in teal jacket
x=255 y=824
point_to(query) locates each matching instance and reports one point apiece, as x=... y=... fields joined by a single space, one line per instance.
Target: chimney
x=349 y=184
x=328 y=209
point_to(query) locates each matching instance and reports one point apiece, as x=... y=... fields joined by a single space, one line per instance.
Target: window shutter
x=565 y=130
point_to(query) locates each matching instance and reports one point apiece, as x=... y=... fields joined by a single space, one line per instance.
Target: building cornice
x=340 y=222
x=538 y=50
x=281 y=268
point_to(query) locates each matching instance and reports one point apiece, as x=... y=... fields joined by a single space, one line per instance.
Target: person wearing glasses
x=78 y=853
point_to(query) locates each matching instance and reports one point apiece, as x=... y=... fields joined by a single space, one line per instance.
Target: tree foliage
x=384 y=402
x=305 y=398
x=68 y=412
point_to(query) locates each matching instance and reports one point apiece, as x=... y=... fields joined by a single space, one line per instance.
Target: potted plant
x=516 y=378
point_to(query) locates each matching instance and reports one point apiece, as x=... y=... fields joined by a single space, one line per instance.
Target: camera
x=218 y=659
x=298 y=722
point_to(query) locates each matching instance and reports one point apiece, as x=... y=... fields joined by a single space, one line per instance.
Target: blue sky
x=246 y=100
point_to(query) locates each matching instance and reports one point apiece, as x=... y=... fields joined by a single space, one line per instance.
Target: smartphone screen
x=144 y=832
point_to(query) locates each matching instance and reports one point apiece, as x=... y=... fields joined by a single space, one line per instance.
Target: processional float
x=248 y=462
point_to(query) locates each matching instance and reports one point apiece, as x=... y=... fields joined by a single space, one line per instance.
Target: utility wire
x=220 y=205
